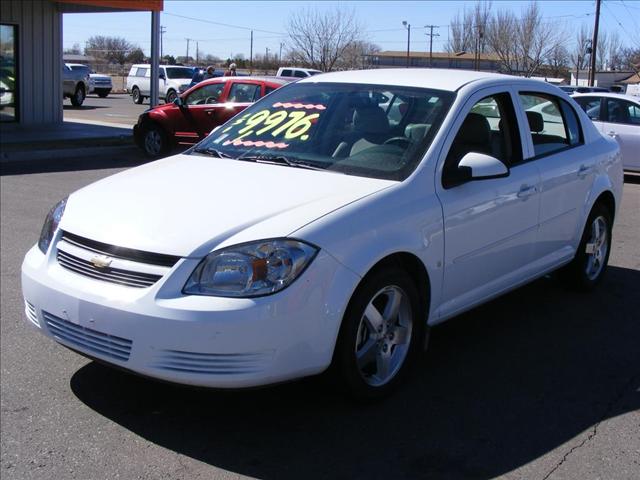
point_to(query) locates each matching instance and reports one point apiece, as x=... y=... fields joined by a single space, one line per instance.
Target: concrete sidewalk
x=59 y=141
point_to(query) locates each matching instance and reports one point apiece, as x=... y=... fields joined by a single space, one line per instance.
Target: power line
x=222 y=24
x=621 y=26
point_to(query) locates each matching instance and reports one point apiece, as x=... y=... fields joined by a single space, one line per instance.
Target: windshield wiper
x=279 y=160
x=212 y=151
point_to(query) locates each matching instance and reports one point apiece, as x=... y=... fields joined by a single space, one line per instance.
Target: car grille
x=212 y=363
x=86 y=339
x=100 y=81
x=31 y=313
x=122 y=266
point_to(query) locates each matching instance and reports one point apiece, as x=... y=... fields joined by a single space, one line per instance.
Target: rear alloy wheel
x=381 y=334
x=78 y=97
x=171 y=96
x=154 y=141
x=137 y=97
x=590 y=263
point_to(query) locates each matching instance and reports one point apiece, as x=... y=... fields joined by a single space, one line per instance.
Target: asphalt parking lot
x=116 y=108
x=543 y=383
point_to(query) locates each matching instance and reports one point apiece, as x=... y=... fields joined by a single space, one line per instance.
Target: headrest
x=475 y=130
x=536 y=122
x=416 y=131
x=370 y=119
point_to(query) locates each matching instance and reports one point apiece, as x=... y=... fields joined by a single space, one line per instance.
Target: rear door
x=490 y=225
x=567 y=172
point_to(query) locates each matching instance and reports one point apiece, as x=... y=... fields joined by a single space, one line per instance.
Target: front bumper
x=206 y=341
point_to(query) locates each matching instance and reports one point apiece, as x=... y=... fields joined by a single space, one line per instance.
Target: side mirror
x=478 y=166
x=178 y=102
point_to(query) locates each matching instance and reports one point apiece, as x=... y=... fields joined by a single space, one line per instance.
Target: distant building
x=602 y=79
x=462 y=60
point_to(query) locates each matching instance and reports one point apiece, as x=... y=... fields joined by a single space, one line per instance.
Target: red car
x=198 y=110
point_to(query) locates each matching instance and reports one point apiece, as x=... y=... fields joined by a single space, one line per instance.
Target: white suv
x=296 y=72
x=173 y=79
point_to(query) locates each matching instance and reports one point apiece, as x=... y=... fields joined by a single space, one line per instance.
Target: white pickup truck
x=173 y=79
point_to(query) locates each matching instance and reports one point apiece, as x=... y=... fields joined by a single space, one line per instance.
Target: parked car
x=173 y=78
x=310 y=231
x=197 y=111
x=99 y=84
x=75 y=85
x=618 y=116
x=297 y=72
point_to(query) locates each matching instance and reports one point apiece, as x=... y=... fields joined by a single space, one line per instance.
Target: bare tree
x=579 y=56
x=356 y=55
x=469 y=29
x=522 y=43
x=319 y=39
x=557 y=61
x=109 y=49
x=74 y=50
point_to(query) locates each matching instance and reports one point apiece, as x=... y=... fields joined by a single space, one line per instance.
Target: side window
x=573 y=124
x=590 y=105
x=299 y=74
x=286 y=73
x=546 y=124
x=141 y=72
x=204 y=95
x=620 y=111
x=490 y=128
x=243 y=92
x=268 y=89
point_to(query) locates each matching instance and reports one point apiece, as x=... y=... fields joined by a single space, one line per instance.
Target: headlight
x=51 y=225
x=251 y=269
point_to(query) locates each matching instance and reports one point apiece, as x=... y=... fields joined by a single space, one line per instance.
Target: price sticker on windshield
x=291 y=122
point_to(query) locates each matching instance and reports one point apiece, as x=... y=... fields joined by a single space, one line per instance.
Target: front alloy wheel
x=154 y=142
x=382 y=332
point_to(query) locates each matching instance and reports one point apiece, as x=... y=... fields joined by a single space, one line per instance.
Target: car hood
x=187 y=205
x=99 y=75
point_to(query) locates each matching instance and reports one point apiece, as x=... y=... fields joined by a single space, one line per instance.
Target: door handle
x=583 y=171
x=526 y=191
x=612 y=134
x=210 y=112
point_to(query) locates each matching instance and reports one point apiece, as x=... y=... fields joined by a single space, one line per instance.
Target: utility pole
x=197 y=53
x=431 y=35
x=280 y=56
x=188 y=40
x=162 y=32
x=594 y=46
x=408 y=27
x=266 y=57
x=251 y=54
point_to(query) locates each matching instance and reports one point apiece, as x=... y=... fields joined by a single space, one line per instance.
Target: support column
x=155 y=57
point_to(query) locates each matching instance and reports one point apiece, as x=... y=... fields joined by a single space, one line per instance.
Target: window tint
x=141 y=72
x=547 y=127
x=268 y=90
x=621 y=111
x=573 y=124
x=243 y=92
x=590 y=105
x=179 y=72
x=286 y=73
x=204 y=95
x=489 y=128
x=299 y=74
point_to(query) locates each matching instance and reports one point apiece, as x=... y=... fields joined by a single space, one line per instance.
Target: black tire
x=363 y=380
x=78 y=96
x=154 y=141
x=171 y=96
x=136 y=95
x=589 y=265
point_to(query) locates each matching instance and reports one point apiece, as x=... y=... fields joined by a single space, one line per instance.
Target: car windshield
x=79 y=68
x=179 y=72
x=365 y=130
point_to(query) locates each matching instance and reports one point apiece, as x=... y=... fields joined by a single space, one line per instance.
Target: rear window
x=299 y=74
x=141 y=72
x=179 y=72
x=286 y=73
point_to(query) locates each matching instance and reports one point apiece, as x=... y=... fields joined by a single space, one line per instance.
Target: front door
x=489 y=225
x=200 y=113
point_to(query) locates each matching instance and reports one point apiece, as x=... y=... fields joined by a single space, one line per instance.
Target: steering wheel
x=213 y=100
x=402 y=142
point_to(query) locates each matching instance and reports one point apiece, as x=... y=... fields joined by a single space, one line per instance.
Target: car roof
x=608 y=95
x=280 y=80
x=436 y=78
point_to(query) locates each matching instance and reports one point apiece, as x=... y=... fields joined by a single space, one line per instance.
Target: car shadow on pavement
x=500 y=386
x=84 y=107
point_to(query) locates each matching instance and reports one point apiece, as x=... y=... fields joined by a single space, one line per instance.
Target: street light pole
x=408 y=27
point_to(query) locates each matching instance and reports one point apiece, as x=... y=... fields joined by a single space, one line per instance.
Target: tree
x=355 y=55
x=468 y=31
x=580 y=56
x=135 y=56
x=557 y=62
x=109 y=49
x=169 y=60
x=319 y=39
x=75 y=50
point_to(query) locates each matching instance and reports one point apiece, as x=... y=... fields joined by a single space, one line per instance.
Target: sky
x=222 y=28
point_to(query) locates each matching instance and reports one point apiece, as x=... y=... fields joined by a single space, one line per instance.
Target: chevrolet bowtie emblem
x=101 y=261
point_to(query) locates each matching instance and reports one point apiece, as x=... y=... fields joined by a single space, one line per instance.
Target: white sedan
x=618 y=116
x=312 y=229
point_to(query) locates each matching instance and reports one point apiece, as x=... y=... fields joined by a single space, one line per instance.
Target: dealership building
x=31 y=54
